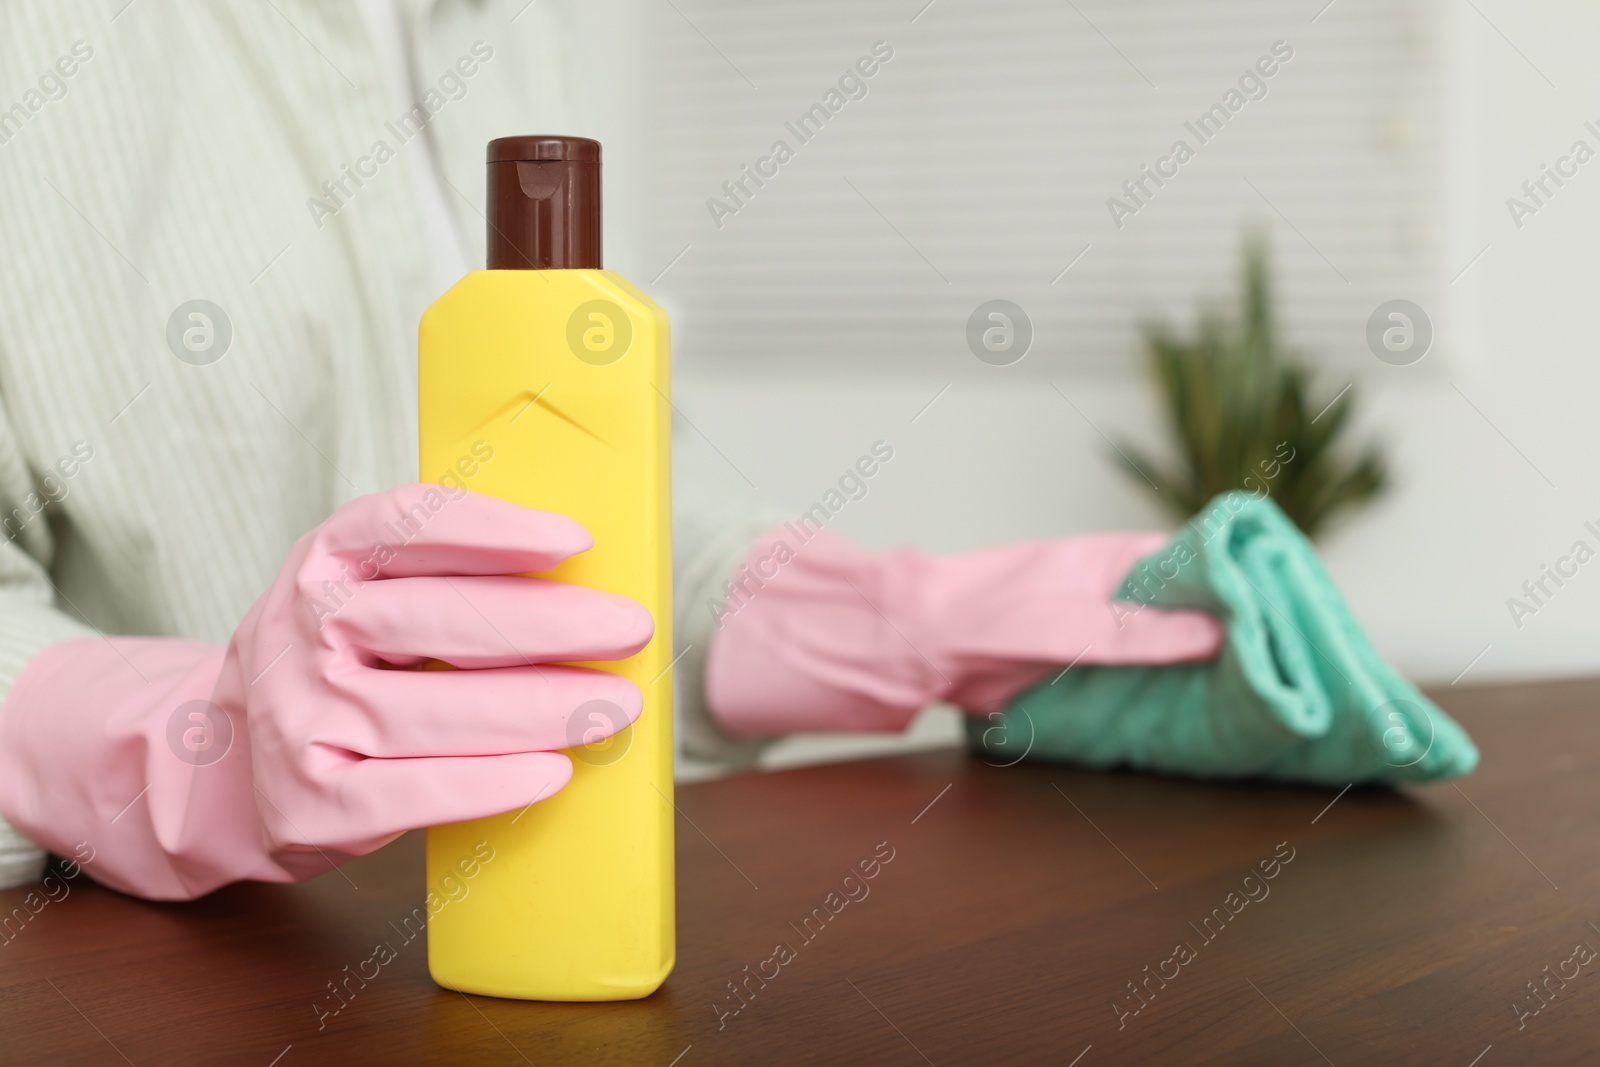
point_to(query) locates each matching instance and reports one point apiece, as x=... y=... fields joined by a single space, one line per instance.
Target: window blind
x=1005 y=150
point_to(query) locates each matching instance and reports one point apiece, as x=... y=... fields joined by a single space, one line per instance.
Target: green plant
x=1237 y=403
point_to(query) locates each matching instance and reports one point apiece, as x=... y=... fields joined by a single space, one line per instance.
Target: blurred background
x=827 y=307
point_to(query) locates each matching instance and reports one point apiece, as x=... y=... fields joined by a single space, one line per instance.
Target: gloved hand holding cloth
x=1225 y=652
x=1297 y=693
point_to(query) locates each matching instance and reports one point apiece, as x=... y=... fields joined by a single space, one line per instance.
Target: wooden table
x=1019 y=905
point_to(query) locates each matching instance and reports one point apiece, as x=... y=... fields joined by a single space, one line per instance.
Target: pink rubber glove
x=186 y=766
x=823 y=635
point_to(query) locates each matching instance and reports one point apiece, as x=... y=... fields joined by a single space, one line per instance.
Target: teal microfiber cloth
x=1296 y=693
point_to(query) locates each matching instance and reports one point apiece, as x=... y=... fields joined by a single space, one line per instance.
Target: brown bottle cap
x=544 y=203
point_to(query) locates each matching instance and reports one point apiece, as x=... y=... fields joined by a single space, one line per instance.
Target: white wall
x=1479 y=515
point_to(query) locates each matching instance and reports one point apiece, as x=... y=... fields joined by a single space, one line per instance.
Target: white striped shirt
x=159 y=152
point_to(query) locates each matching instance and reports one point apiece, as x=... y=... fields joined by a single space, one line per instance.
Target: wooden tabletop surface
x=1025 y=914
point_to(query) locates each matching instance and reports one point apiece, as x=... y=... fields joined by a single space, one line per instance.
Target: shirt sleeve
x=30 y=621
x=712 y=532
x=707 y=551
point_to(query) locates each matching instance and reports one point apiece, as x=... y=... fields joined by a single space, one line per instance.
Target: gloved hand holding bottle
x=823 y=635
x=310 y=738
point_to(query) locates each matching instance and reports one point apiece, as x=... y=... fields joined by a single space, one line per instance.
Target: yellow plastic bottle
x=561 y=369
